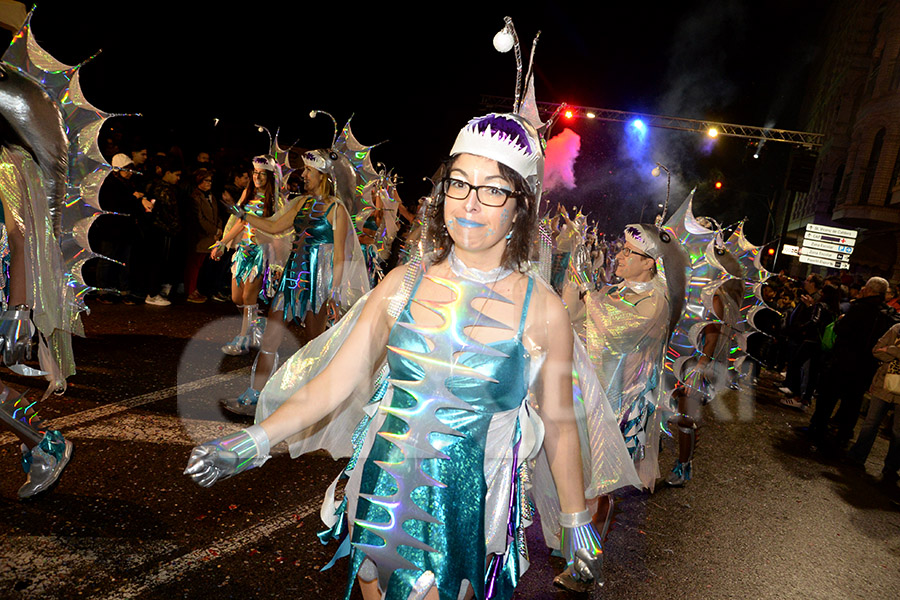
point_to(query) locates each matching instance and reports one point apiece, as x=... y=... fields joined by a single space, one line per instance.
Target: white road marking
x=202 y=557
x=154 y=429
x=101 y=412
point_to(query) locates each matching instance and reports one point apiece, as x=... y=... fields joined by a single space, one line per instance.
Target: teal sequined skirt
x=248 y=263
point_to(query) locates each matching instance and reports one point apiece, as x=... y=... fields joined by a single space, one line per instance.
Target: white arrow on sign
x=824 y=254
x=824 y=262
x=824 y=237
x=851 y=233
x=826 y=246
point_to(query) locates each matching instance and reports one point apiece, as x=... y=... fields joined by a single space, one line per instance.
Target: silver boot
x=44 y=463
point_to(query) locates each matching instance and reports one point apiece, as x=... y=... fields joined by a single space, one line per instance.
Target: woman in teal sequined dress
x=323 y=276
x=436 y=505
x=249 y=263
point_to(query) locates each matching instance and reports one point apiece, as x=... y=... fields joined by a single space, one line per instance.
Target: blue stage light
x=639 y=125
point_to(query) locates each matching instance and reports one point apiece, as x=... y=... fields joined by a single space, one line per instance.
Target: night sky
x=414 y=78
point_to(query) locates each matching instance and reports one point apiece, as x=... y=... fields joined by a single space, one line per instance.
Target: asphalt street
x=765 y=517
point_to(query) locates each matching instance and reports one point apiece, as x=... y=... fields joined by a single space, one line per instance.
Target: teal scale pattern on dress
x=300 y=279
x=422 y=492
x=249 y=261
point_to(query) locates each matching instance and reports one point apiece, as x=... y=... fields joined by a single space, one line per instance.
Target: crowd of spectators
x=167 y=217
x=836 y=343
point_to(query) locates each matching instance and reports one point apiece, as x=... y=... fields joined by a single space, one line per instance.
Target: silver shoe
x=680 y=475
x=44 y=463
x=245 y=405
x=239 y=346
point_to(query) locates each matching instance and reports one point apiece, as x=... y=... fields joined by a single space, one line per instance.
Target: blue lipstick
x=467 y=223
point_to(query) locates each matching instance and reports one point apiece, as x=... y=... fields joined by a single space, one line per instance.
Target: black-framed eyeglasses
x=489 y=195
x=626 y=252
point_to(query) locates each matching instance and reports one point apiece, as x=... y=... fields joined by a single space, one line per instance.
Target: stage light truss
x=800 y=138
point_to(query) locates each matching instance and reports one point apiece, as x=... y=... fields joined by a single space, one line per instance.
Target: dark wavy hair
x=518 y=250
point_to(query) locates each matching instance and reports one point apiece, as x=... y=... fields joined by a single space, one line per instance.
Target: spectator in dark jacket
x=118 y=234
x=851 y=365
x=804 y=329
x=203 y=231
x=160 y=228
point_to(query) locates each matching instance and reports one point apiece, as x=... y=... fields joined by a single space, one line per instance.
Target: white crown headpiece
x=264 y=162
x=643 y=237
x=506 y=138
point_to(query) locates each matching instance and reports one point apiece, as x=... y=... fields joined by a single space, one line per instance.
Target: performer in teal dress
x=475 y=356
x=308 y=275
x=323 y=276
x=249 y=265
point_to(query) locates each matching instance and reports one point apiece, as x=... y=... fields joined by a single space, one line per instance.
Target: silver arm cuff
x=572 y=520
x=259 y=437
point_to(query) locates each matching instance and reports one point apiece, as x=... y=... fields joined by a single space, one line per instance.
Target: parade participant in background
x=324 y=274
x=369 y=234
x=626 y=328
x=46 y=237
x=249 y=262
x=461 y=336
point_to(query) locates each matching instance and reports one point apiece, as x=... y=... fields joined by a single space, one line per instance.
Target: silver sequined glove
x=580 y=546
x=227 y=456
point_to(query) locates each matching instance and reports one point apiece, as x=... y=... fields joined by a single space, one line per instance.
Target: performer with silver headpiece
x=325 y=272
x=626 y=328
x=468 y=334
x=250 y=262
x=473 y=395
x=704 y=334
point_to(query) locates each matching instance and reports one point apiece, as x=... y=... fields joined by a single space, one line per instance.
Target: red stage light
x=771 y=251
x=569 y=114
x=718 y=185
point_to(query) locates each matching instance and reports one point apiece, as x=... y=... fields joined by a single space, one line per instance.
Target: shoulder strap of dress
x=525 y=308
x=411 y=279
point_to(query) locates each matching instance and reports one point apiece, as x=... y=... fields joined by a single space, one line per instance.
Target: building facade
x=854 y=99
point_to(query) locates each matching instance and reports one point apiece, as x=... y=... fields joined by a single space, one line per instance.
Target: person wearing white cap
x=118 y=233
x=436 y=500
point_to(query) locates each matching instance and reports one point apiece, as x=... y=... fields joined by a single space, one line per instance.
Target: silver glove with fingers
x=227 y=456
x=16 y=331
x=580 y=546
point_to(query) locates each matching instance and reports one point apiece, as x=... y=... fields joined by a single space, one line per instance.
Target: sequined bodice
x=257 y=208
x=503 y=380
x=312 y=222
